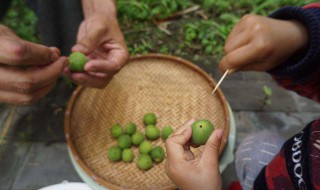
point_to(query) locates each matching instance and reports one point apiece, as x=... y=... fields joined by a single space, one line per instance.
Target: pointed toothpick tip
x=220 y=81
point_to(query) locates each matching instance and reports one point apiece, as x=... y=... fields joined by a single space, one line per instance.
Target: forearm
x=104 y=7
x=300 y=72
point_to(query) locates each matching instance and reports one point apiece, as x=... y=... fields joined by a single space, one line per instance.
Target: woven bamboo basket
x=173 y=88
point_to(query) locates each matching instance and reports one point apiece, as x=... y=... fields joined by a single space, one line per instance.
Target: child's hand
x=188 y=172
x=261 y=43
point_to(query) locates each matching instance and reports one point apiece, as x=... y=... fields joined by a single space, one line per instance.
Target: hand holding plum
x=203 y=173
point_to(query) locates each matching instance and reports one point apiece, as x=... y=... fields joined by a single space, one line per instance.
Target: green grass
x=148 y=28
x=21 y=20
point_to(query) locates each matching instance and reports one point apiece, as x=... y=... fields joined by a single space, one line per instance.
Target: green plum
x=127 y=155
x=152 y=132
x=166 y=132
x=145 y=147
x=114 y=153
x=124 y=141
x=144 y=162
x=150 y=119
x=137 y=138
x=201 y=131
x=157 y=154
x=77 y=61
x=130 y=128
x=116 y=130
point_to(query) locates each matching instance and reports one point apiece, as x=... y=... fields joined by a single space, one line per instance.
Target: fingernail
x=54 y=56
x=56 y=50
x=219 y=133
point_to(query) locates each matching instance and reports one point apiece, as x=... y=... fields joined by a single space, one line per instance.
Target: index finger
x=175 y=144
x=20 y=52
x=117 y=57
x=28 y=80
x=243 y=58
x=181 y=129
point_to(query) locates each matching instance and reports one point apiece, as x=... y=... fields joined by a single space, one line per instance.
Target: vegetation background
x=193 y=29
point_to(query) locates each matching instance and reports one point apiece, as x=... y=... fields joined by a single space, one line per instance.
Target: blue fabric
x=303 y=64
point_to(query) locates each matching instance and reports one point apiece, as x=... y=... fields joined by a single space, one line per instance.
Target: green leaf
x=268 y=102
x=267 y=90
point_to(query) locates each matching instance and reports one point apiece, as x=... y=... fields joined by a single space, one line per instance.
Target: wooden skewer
x=220 y=81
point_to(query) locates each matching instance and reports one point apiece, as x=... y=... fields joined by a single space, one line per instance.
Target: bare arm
x=99 y=6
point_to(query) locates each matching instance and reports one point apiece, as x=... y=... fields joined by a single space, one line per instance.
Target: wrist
x=299 y=34
x=105 y=8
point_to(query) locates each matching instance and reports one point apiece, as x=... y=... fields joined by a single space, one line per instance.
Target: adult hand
x=188 y=172
x=28 y=71
x=100 y=38
x=261 y=43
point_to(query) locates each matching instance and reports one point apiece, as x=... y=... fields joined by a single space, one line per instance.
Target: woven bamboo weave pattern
x=172 y=89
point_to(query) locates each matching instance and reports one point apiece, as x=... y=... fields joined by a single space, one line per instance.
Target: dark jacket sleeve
x=301 y=72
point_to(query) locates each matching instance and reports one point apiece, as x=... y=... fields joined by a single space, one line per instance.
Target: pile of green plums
x=149 y=154
x=128 y=137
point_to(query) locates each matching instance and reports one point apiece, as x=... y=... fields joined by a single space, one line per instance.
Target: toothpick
x=220 y=81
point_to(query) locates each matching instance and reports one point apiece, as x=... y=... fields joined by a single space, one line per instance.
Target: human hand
x=188 y=172
x=261 y=43
x=28 y=71
x=100 y=38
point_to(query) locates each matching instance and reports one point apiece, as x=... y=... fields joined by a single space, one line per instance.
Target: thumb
x=90 y=40
x=210 y=155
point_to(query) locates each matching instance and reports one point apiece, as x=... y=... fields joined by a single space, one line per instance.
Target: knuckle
x=116 y=65
x=214 y=146
x=250 y=19
x=265 y=46
x=19 y=52
x=26 y=86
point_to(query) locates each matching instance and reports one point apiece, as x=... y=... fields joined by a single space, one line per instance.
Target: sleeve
x=297 y=164
x=301 y=72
